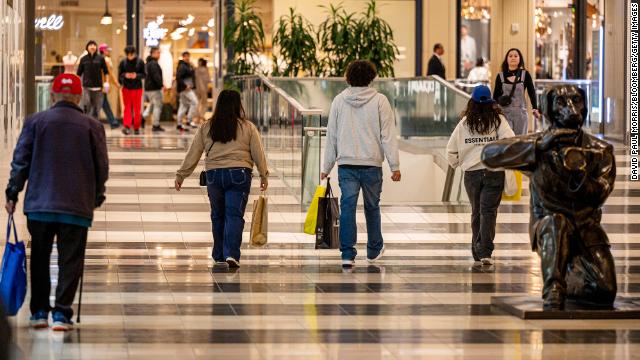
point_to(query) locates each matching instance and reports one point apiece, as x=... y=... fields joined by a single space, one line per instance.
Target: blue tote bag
x=13 y=273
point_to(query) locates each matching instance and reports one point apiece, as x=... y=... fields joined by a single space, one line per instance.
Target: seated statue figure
x=571 y=175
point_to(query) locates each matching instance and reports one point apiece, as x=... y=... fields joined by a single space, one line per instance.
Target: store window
x=474 y=36
x=64 y=28
x=555 y=22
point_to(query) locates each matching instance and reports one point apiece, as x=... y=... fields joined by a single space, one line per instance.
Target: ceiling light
x=192 y=31
x=107 y=19
x=211 y=23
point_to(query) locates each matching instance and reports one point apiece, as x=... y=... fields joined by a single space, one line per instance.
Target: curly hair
x=361 y=73
x=482 y=118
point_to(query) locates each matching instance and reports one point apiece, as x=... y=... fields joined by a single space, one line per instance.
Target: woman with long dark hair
x=232 y=146
x=482 y=122
x=510 y=86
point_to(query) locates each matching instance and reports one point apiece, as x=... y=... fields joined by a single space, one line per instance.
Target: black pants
x=484 y=189
x=71 y=242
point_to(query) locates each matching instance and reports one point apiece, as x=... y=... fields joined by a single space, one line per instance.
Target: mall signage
x=153 y=33
x=52 y=23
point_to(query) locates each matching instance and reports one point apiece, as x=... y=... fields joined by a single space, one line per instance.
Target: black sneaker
x=157 y=129
x=182 y=128
x=126 y=131
x=233 y=263
x=136 y=132
x=114 y=126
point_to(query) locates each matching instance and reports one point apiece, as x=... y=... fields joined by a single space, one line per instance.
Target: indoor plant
x=245 y=34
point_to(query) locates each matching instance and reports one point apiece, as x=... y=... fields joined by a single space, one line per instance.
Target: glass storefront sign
x=153 y=33
x=52 y=23
x=475 y=36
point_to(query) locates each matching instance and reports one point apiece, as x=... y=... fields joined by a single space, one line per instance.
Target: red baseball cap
x=67 y=84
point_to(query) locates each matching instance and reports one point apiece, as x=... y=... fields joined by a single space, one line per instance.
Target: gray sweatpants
x=188 y=105
x=92 y=102
x=155 y=106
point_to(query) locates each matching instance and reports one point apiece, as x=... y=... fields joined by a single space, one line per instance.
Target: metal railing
x=282 y=121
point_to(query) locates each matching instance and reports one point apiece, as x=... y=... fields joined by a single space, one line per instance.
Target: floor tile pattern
x=151 y=291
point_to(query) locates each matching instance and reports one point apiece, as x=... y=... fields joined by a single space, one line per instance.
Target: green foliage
x=245 y=33
x=374 y=39
x=337 y=41
x=295 y=39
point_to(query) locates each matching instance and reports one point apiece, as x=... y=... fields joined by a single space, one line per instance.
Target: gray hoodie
x=361 y=130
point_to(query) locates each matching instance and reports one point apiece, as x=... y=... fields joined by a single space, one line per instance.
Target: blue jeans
x=351 y=180
x=106 y=107
x=228 y=194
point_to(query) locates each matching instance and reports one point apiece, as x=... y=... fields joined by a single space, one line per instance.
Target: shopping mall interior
x=149 y=287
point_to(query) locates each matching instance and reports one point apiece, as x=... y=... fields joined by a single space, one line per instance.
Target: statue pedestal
x=530 y=308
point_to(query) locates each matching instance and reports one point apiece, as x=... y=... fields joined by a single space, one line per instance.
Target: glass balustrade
x=43 y=92
x=281 y=121
x=292 y=114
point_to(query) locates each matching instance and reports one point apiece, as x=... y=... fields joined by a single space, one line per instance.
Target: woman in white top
x=482 y=122
x=479 y=72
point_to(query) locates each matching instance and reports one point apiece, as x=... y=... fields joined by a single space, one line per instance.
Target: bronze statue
x=571 y=175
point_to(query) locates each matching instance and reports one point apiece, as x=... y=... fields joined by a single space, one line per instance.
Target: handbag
x=311 y=220
x=203 y=173
x=259 y=222
x=328 y=221
x=505 y=100
x=13 y=273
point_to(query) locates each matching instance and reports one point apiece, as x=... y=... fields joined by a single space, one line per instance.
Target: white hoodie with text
x=465 y=147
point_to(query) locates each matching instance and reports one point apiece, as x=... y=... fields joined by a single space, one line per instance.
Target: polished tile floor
x=150 y=291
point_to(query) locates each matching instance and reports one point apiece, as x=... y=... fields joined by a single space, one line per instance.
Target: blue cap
x=482 y=95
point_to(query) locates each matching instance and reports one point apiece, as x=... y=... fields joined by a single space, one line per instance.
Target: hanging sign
x=52 y=23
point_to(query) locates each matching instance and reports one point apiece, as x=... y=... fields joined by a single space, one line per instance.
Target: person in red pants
x=131 y=73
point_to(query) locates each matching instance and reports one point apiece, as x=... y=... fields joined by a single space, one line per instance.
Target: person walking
x=62 y=153
x=153 y=89
x=131 y=73
x=482 y=122
x=436 y=64
x=480 y=72
x=360 y=134
x=203 y=79
x=110 y=83
x=232 y=146
x=185 y=78
x=93 y=70
x=509 y=91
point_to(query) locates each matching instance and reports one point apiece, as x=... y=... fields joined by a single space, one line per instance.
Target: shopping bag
x=312 y=214
x=13 y=273
x=516 y=182
x=328 y=221
x=259 y=222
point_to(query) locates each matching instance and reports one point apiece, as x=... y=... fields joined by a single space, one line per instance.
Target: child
x=482 y=122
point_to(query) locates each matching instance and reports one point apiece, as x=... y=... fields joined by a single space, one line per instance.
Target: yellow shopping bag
x=312 y=213
x=518 y=194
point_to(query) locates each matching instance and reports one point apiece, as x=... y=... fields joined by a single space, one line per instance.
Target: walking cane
x=80 y=297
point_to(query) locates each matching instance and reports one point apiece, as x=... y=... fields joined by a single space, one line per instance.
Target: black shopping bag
x=328 y=223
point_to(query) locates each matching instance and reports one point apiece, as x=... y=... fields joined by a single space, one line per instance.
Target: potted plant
x=336 y=40
x=245 y=34
x=374 y=39
x=294 y=38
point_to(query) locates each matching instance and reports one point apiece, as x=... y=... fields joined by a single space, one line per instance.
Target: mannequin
x=166 y=64
x=70 y=62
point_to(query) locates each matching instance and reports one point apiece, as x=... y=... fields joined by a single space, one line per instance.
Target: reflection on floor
x=150 y=291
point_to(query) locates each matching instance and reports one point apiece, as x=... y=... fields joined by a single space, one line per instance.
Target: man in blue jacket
x=63 y=155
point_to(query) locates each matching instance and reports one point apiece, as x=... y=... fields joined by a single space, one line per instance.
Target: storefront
x=564 y=39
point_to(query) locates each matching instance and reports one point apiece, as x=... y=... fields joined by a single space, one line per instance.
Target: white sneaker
x=233 y=263
x=487 y=261
x=348 y=263
x=377 y=257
